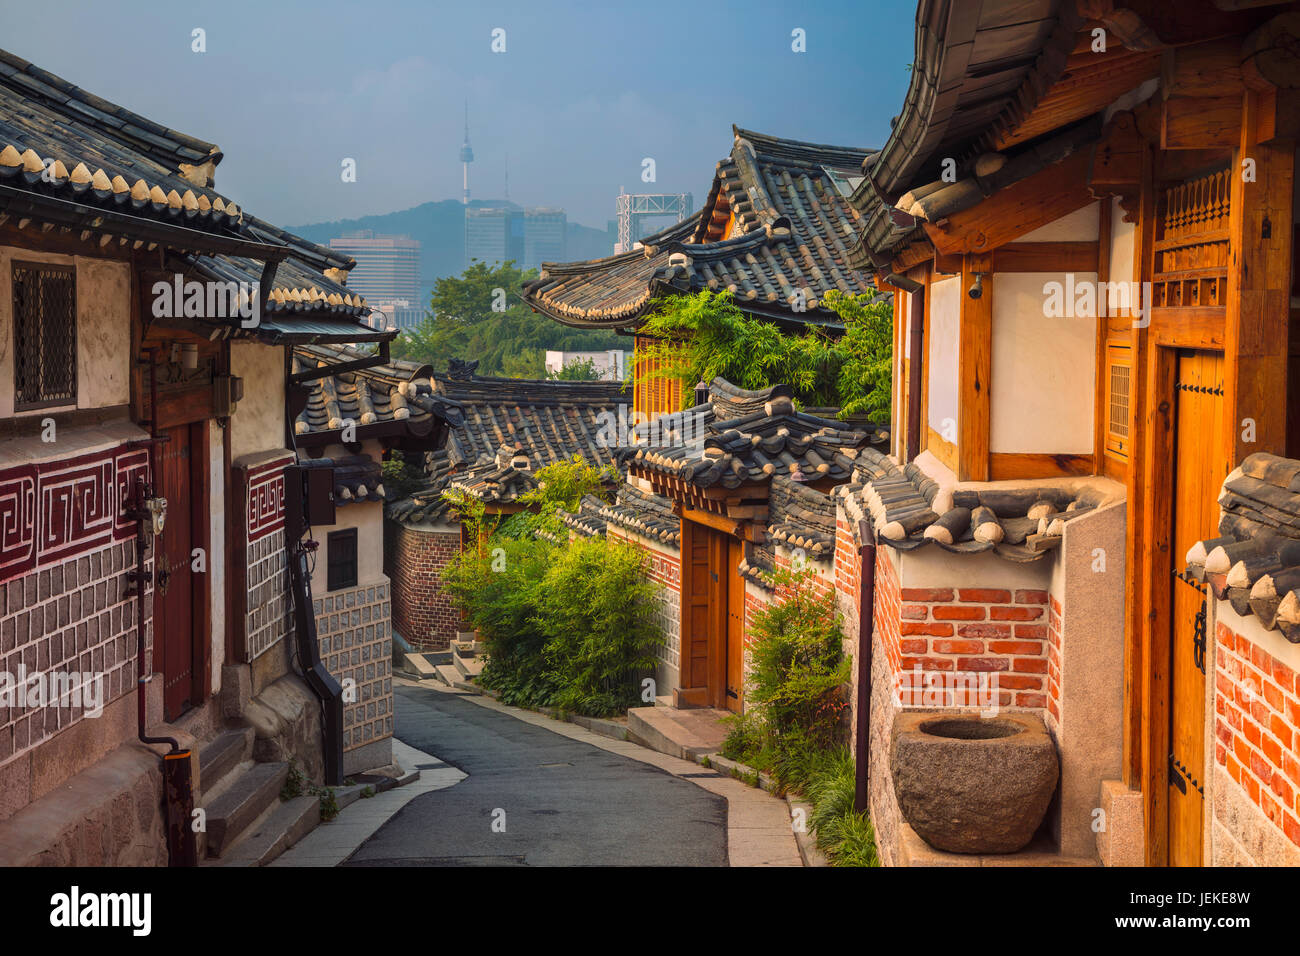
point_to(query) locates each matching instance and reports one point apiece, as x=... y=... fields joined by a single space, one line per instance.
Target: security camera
x=977 y=288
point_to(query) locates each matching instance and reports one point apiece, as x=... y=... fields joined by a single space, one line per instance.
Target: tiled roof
x=396 y=392
x=799 y=518
x=793 y=227
x=82 y=161
x=633 y=510
x=357 y=478
x=906 y=510
x=511 y=428
x=746 y=437
x=978 y=68
x=103 y=155
x=1254 y=562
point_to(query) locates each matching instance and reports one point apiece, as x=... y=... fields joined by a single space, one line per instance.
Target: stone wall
x=353 y=627
x=414 y=555
x=666 y=570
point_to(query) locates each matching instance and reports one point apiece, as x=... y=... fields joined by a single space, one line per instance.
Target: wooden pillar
x=975 y=362
x=1259 y=285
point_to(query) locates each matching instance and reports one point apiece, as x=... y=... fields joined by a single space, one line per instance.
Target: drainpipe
x=866 y=627
x=178 y=764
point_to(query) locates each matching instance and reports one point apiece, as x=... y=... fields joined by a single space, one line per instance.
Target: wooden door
x=179 y=598
x=1199 y=469
x=735 y=626
x=697 y=616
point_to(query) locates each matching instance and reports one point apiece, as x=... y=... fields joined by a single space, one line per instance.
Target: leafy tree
x=578 y=370
x=480 y=315
x=705 y=335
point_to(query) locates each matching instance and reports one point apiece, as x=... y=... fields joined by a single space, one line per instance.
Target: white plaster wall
x=217 y=548
x=934 y=567
x=945 y=322
x=103 y=330
x=103 y=333
x=368 y=518
x=1082 y=225
x=1043 y=369
x=258 y=422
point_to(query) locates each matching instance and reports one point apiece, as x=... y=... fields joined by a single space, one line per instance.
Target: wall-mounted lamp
x=701 y=392
x=977 y=287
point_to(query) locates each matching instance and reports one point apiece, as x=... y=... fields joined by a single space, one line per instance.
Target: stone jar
x=970 y=784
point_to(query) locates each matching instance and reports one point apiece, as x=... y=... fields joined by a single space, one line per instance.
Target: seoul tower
x=466 y=156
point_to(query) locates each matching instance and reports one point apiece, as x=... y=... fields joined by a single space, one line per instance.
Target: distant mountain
x=440 y=228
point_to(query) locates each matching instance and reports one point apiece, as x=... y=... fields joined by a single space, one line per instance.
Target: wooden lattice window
x=341 y=547
x=45 y=335
x=1119 y=371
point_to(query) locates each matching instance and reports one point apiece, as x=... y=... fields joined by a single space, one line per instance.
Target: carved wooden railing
x=1191 y=249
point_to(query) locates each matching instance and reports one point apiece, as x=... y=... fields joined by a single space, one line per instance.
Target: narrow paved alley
x=534 y=796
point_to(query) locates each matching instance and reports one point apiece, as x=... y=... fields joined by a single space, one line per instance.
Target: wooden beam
x=947 y=263
x=1101 y=380
x=1212 y=68
x=1005 y=466
x=1259 y=294
x=975 y=362
x=1200 y=122
x=1022 y=207
x=1046 y=257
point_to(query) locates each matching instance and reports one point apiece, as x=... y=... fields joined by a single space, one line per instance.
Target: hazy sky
x=583 y=92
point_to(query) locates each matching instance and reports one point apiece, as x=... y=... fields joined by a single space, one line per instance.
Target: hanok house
x=721 y=496
x=150 y=553
x=348 y=423
x=775 y=231
x=1086 y=213
x=508 y=430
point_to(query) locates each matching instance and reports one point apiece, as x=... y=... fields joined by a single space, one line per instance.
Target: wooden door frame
x=1167 y=340
x=714 y=693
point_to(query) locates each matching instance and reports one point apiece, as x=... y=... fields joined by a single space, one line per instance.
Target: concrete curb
x=604 y=726
x=742 y=772
x=806 y=839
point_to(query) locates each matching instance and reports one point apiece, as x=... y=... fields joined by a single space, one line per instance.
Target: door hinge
x=1175 y=775
x=1198 y=640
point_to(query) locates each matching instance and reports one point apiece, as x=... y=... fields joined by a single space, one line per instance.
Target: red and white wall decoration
x=53 y=511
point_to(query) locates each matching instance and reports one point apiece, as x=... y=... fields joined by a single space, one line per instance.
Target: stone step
x=239 y=806
x=274 y=833
x=468 y=666
x=419 y=667
x=664 y=700
x=221 y=756
x=659 y=729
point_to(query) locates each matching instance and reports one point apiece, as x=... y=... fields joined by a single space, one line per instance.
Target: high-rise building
x=545 y=230
x=466 y=157
x=494 y=234
x=528 y=237
x=388 y=267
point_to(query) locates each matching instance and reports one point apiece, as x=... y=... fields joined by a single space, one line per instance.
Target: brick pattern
x=1053 y=716
x=270 y=598
x=666 y=569
x=75 y=616
x=356 y=644
x=1257 y=727
x=413 y=558
x=848 y=578
x=973 y=631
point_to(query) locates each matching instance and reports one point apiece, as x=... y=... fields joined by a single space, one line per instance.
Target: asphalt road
x=536 y=798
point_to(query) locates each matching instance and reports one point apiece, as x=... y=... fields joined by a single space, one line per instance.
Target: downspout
x=178 y=765
x=866 y=630
x=314 y=672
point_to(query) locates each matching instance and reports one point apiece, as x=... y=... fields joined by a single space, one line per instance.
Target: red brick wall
x=978 y=630
x=422 y=613
x=666 y=569
x=1257 y=727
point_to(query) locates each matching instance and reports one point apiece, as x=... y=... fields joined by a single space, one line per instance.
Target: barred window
x=341 y=548
x=45 y=335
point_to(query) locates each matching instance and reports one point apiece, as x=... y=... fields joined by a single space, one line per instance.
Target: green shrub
x=596 y=604
x=798 y=666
